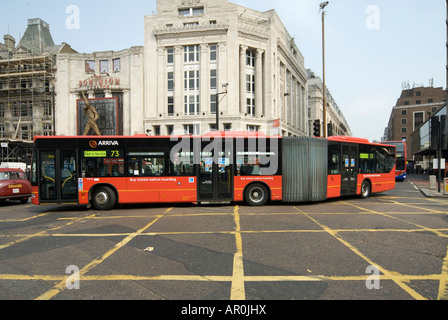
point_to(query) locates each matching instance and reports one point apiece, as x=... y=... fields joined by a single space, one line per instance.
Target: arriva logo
x=93 y=144
x=108 y=143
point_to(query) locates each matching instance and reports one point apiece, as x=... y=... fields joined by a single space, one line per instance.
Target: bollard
x=432 y=182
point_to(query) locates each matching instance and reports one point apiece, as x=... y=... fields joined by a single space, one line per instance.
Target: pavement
x=421 y=182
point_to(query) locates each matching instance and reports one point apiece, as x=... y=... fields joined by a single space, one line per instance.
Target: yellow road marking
x=26 y=219
x=211 y=278
x=42 y=233
x=61 y=286
x=238 y=291
x=391 y=275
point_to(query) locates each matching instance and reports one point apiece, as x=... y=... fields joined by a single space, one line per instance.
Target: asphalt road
x=392 y=246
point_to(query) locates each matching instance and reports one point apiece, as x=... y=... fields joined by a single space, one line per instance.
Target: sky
x=372 y=46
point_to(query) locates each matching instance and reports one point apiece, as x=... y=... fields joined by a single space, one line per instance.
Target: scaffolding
x=27 y=97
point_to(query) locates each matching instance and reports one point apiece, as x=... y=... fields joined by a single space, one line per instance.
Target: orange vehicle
x=400 y=172
x=218 y=167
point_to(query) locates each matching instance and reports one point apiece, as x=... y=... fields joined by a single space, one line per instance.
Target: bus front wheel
x=366 y=189
x=256 y=195
x=103 y=198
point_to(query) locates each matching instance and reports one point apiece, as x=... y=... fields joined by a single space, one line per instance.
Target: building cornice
x=202 y=29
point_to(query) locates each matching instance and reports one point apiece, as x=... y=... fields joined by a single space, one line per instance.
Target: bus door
x=349 y=174
x=215 y=174
x=58 y=178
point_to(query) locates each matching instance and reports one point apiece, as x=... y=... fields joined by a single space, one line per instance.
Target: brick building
x=414 y=107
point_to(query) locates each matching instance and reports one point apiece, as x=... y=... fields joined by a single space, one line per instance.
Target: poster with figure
x=108 y=122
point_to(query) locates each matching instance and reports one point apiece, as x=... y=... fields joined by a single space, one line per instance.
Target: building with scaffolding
x=27 y=79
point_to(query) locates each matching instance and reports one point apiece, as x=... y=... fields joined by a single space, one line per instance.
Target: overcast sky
x=372 y=46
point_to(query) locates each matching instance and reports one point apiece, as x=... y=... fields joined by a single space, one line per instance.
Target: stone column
x=259 y=83
x=178 y=80
x=162 y=85
x=204 y=81
x=243 y=50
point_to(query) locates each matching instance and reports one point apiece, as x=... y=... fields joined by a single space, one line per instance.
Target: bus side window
x=334 y=159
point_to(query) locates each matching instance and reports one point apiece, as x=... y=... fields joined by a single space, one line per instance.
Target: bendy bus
x=218 y=167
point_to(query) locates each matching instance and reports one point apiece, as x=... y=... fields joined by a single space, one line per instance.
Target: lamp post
x=324 y=89
x=224 y=86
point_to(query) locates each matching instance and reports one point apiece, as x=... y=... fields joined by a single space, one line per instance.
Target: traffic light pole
x=324 y=89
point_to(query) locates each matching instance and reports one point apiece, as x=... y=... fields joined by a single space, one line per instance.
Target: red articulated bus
x=400 y=171
x=218 y=167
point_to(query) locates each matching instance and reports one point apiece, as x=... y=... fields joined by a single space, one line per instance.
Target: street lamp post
x=224 y=86
x=324 y=89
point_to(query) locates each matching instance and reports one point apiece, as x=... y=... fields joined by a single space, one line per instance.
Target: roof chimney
x=10 y=42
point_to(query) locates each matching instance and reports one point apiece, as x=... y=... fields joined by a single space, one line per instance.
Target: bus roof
x=212 y=134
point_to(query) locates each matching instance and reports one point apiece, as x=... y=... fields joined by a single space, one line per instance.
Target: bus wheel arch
x=103 y=197
x=257 y=194
x=366 y=189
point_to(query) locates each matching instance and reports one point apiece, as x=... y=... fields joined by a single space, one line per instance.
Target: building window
x=192 y=129
x=170 y=81
x=192 y=80
x=2 y=110
x=26 y=132
x=170 y=55
x=104 y=66
x=403 y=130
x=48 y=110
x=227 y=126
x=213 y=101
x=251 y=107
x=213 y=79
x=250 y=58
x=192 y=105
x=191 y=54
x=90 y=66
x=213 y=52
x=250 y=83
x=117 y=65
x=403 y=112
x=170 y=106
x=253 y=128
x=191 y=24
x=418 y=119
x=26 y=110
x=403 y=121
x=48 y=130
x=156 y=130
x=191 y=12
x=430 y=100
x=170 y=129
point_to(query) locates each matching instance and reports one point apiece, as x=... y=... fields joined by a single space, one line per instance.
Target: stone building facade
x=115 y=76
x=335 y=117
x=202 y=52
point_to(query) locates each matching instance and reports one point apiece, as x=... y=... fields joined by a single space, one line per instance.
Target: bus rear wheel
x=366 y=189
x=103 y=198
x=256 y=195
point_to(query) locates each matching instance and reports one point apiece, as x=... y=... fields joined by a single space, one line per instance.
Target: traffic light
x=329 y=130
x=317 y=128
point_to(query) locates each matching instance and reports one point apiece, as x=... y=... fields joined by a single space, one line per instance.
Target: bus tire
x=103 y=198
x=256 y=195
x=366 y=189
